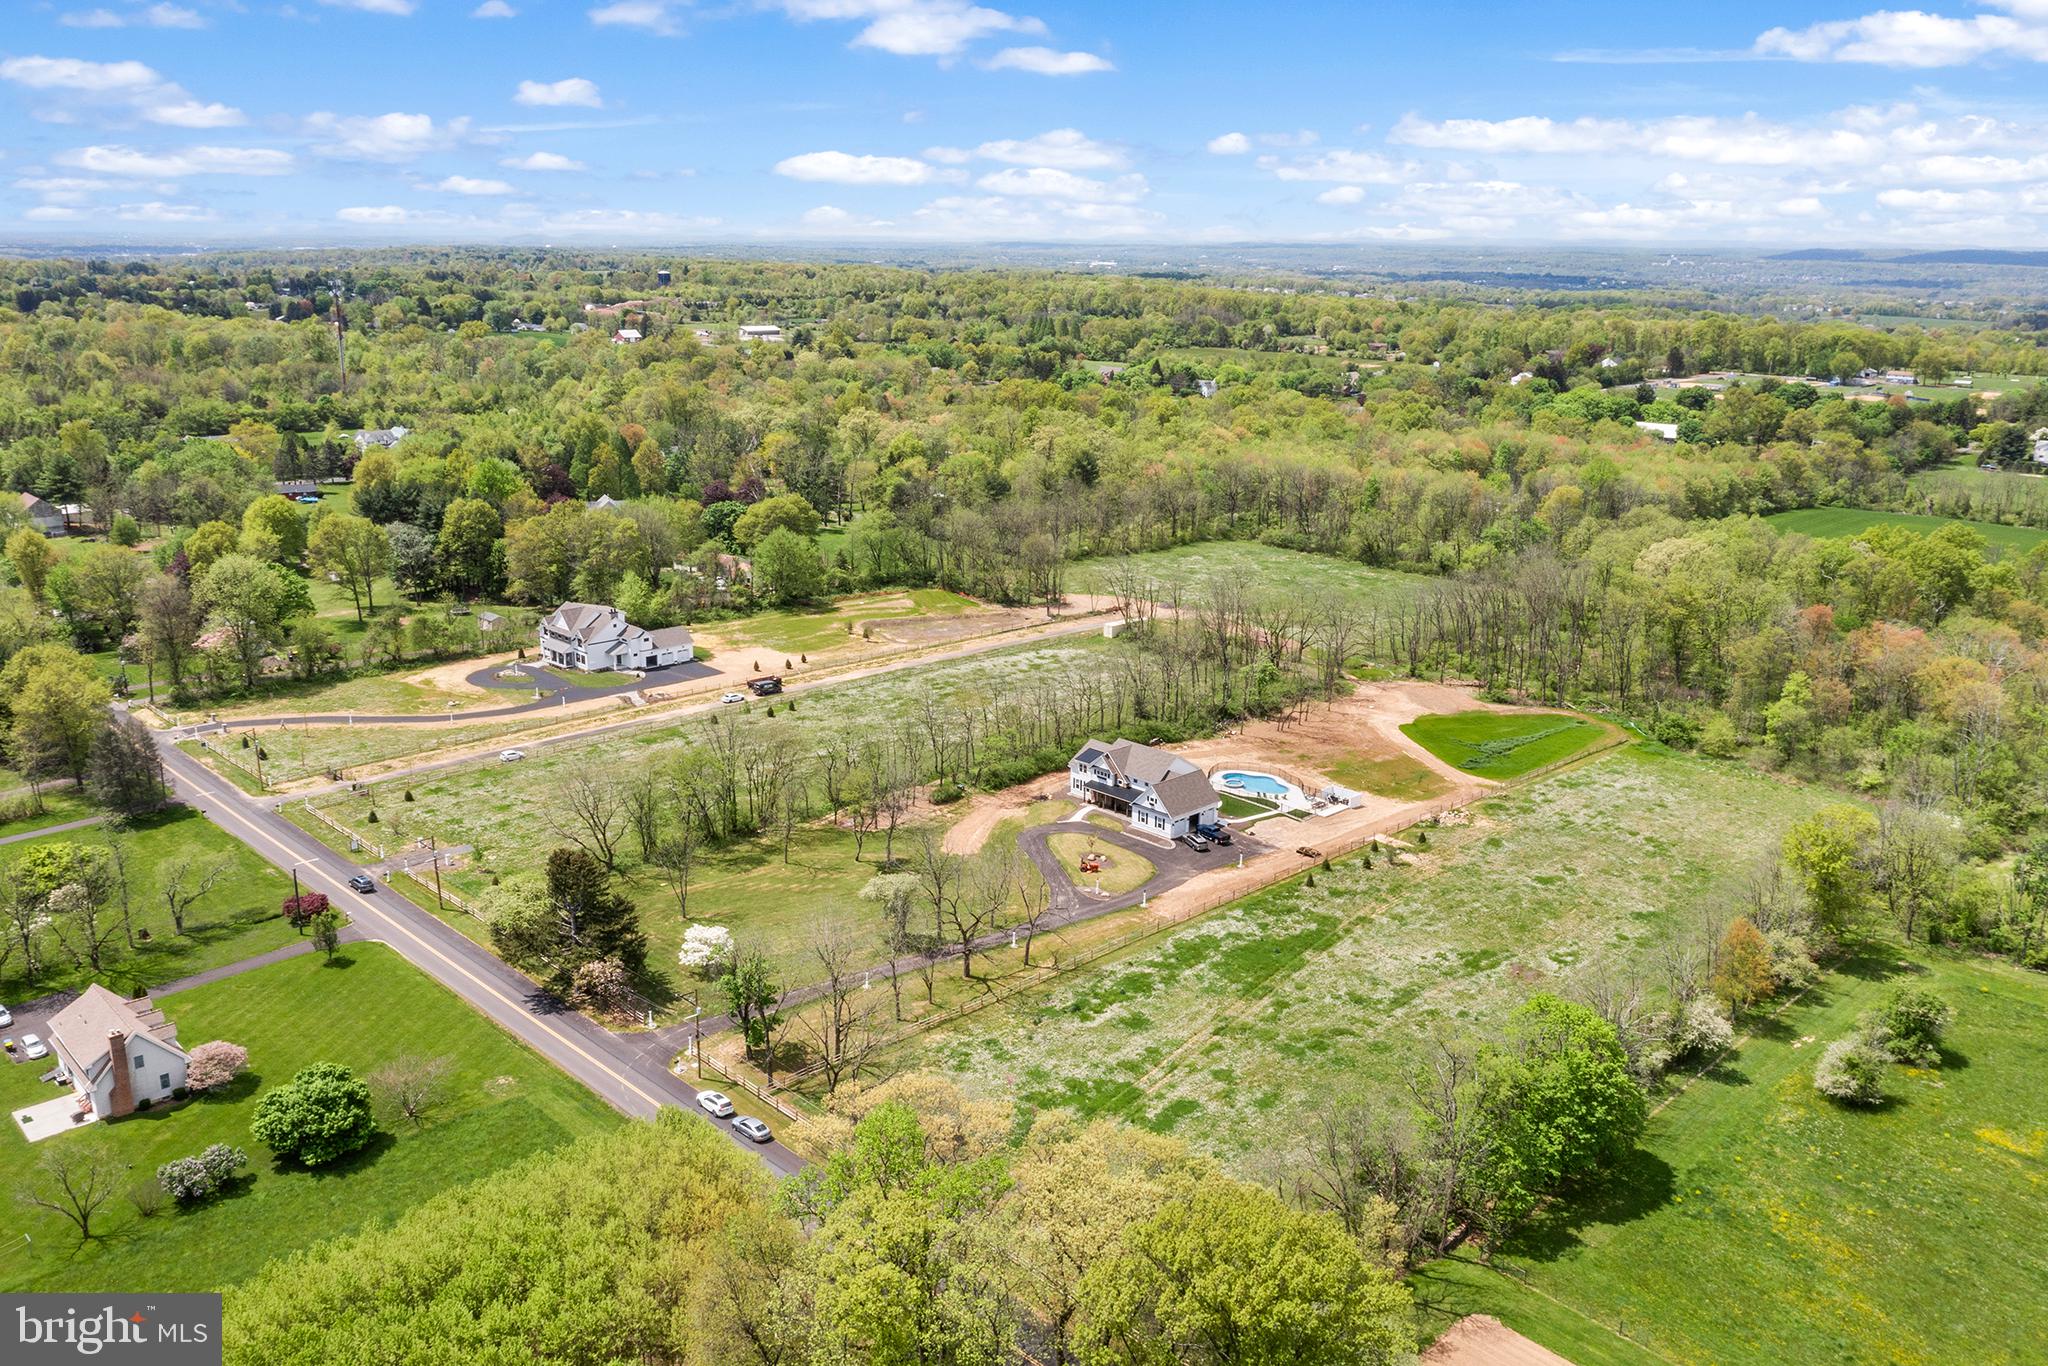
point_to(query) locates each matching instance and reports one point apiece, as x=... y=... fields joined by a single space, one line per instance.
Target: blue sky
x=623 y=121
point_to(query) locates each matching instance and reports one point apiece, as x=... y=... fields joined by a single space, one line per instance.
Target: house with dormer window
x=1159 y=793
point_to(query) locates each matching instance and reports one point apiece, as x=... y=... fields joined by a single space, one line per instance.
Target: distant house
x=78 y=516
x=604 y=502
x=521 y=325
x=625 y=336
x=1609 y=363
x=1520 y=377
x=43 y=516
x=760 y=332
x=2041 y=446
x=296 y=488
x=116 y=1053
x=592 y=637
x=1899 y=377
x=381 y=436
x=487 y=622
x=661 y=277
x=1664 y=431
x=1206 y=388
x=1158 y=793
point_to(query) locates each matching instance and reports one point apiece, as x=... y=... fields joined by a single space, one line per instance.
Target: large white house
x=117 y=1052
x=592 y=637
x=1159 y=793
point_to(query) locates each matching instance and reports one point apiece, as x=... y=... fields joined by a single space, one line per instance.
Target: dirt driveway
x=1483 y=1340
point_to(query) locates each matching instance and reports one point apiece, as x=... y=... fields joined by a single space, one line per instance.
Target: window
x=163 y=1081
x=138 y=1062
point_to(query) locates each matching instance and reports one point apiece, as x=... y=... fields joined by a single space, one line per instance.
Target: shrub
x=214 y=1064
x=193 y=1180
x=1703 y=1030
x=143 y=1104
x=408 y=794
x=180 y=1092
x=124 y=531
x=303 y=910
x=1676 y=730
x=1910 y=1024
x=1852 y=1071
x=946 y=794
x=1719 y=739
x=321 y=1114
x=146 y=1193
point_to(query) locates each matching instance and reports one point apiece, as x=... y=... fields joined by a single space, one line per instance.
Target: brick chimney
x=122 y=1101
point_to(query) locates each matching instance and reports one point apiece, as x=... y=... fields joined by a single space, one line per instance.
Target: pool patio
x=1286 y=798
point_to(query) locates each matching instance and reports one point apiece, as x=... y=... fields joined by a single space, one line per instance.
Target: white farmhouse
x=592 y=637
x=117 y=1052
x=760 y=332
x=1159 y=793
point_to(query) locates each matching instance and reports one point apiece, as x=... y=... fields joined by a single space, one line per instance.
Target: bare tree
x=984 y=895
x=412 y=1085
x=674 y=855
x=185 y=882
x=76 y=1179
x=841 y=1026
x=896 y=895
x=1034 y=901
x=595 y=817
x=1365 y=1158
x=1456 y=1135
x=643 y=809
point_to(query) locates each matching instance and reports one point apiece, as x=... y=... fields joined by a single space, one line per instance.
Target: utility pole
x=340 y=334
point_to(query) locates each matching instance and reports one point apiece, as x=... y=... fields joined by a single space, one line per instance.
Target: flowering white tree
x=706 y=949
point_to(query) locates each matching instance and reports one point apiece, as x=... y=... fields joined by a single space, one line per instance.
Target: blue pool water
x=1254 y=782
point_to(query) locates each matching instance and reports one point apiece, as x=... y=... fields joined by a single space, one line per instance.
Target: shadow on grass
x=362 y=1158
x=1640 y=1184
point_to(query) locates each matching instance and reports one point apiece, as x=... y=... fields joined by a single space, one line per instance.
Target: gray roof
x=670 y=635
x=1143 y=762
x=1185 y=794
x=1126 y=795
x=82 y=1027
x=581 y=621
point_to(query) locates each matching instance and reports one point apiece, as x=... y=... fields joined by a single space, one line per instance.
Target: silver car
x=746 y=1126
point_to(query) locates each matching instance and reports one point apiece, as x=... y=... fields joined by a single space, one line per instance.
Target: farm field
x=1234 y=1031
x=1503 y=745
x=1832 y=523
x=311 y=752
x=368 y=1007
x=793 y=633
x=384 y=694
x=1903 y=1233
x=1263 y=568
x=238 y=918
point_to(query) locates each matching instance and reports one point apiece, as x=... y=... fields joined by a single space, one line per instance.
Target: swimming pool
x=1264 y=784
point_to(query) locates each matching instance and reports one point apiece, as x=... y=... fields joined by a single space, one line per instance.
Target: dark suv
x=361 y=883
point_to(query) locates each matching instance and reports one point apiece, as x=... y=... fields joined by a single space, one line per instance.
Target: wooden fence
x=338 y=828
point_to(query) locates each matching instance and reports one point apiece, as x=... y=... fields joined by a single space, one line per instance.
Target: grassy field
x=238 y=918
x=798 y=633
x=1122 y=870
x=294 y=753
x=385 y=694
x=1907 y=1233
x=1394 y=775
x=1502 y=744
x=1236 y=1030
x=1261 y=568
x=59 y=805
x=1833 y=523
x=503 y=1103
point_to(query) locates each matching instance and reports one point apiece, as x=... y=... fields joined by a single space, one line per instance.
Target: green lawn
x=1235 y=1031
x=1236 y=808
x=797 y=633
x=504 y=1103
x=371 y=694
x=1122 y=870
x=1394 y=775
x=238 y=918
x=1263 y=569
x=1761 y=1223
x=1503 y=744
x=1835 y=523
x=59 y=805
x=309 y=752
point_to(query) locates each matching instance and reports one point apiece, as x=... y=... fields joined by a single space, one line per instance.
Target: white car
x=511 y=756
x=715 y=1103
x=733 y=697
x=6 y=1017
x=33 y=1047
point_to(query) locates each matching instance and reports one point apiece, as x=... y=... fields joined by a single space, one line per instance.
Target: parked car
x=716 y=1103
x=6 y=1017
x=732 y=697
x=746 y=1126
x=1216 y=834
x=33 y=1047
x=511 y=756
x=361 y=883
x=1195 y=842
x=765 y=686
x=309 y=498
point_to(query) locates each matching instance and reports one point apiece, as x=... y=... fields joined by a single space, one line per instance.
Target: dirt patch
x=983 y=812
x=1483 y=1340
x=453 y=677
x=939 y=630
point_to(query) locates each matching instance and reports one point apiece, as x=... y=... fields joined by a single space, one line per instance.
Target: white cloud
x=400 y=8
x=64 y=189
x=1914 y=38
x=155 y=16
x=52 y=213
x=571 y=90
x=1046 y=182
x=376 y=213
x=384 y=137
x=915 y=28
x=948 y=156
x=1342 y=194
x=845 y=168
x=494 y=9
x=131 y=164
x=1343 y=166
x=1526 y=134
x=1230 y=144
x=1046 y=61
x=462 y=184
x=656 y=16
x=1067 y=149
x=543 y=161
x=832 y=218
x=157 y=211
x=127 y=89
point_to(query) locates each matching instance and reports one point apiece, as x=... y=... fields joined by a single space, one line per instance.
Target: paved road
x=626 y=1074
